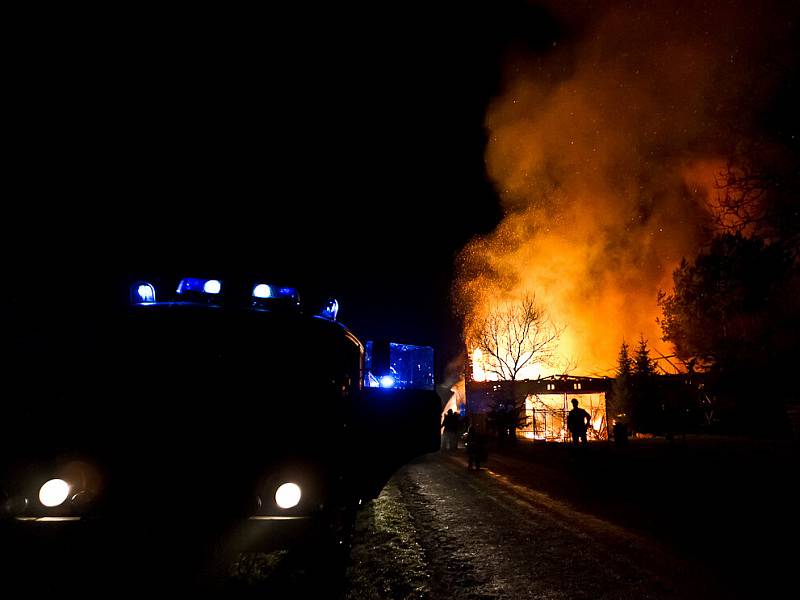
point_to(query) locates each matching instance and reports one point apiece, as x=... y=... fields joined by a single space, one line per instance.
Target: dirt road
x=441 y=531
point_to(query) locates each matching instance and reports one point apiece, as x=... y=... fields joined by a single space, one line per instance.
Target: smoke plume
x=603 y=152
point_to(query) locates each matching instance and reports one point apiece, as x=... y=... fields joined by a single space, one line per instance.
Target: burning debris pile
x=604 y=152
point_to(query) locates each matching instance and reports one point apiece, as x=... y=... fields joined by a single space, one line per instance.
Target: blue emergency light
x=288 y=293
x=262 y=290
x=199 y=286
x=143 y=293
x=330 y=310
x=264 y=294
x=407 y=365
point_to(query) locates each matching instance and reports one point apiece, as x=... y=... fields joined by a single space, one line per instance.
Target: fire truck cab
x=231 y=420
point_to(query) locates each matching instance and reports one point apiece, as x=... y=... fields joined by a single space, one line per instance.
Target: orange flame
x=603 y=155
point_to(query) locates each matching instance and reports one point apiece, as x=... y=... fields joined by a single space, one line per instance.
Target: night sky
x=339 y=152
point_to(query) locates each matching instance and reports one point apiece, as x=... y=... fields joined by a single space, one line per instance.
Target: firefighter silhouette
x=476 y=448
x=578 y=422
x=450 y=424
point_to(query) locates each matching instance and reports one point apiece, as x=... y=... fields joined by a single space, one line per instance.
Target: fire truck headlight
x=54 y=492
x=288 y=495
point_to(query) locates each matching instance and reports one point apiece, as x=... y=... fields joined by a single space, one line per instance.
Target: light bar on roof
x=199 y=286
x=262 y=290
x=264 y=293
x=287 y=292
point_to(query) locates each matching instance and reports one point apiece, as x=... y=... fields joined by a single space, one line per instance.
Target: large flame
x=603 y=152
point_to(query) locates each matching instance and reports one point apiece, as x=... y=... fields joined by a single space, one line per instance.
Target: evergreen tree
x=643 y=365
x=621 y=390
x=734 y=313
x=643 y=402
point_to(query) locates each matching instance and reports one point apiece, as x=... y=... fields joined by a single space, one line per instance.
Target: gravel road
x=441 y=531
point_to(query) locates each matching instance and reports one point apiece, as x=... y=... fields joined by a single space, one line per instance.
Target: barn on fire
x=546 y=402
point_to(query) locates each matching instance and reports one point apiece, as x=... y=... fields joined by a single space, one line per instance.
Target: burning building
x=543 y=404
x=605 y=150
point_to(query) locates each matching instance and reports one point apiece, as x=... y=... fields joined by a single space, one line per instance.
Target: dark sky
x=339 y=151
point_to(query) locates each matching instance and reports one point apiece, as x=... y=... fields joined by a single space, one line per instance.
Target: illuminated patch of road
x=387 y=561
x=623 y=551
x=486 y=537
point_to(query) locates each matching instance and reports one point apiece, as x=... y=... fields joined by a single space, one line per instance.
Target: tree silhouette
x=621 y=390
x=512 y=337
x=643 y=365
x=733 y=313
x=757 y=195
x=734 y=301
x=516 y=335
x=644 y=403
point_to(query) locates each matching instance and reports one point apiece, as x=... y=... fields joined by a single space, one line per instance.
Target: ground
x=441 y=531
x=697 y=518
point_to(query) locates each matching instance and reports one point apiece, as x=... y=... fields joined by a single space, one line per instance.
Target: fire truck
x=201 y=421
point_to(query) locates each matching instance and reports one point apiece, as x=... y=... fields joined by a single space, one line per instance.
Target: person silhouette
x=450 y=437
x=578 y=422
x=476 y=448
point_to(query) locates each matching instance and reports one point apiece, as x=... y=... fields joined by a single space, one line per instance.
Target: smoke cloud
x=603 y=153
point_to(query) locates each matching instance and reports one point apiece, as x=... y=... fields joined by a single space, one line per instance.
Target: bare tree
x=741 y=203
x=516 y=335
x=757 y=195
